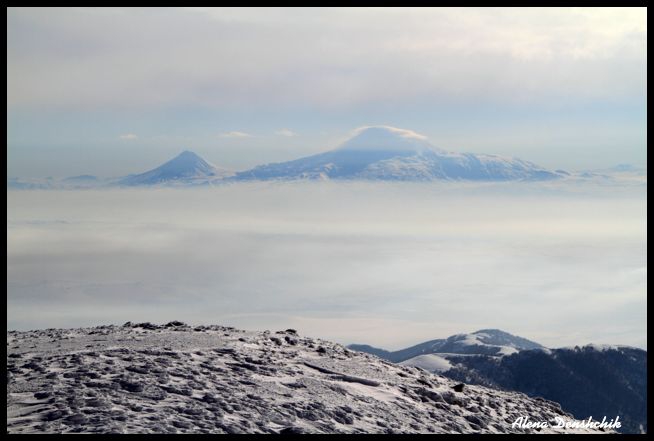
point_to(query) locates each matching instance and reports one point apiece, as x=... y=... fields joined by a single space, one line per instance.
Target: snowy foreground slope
x=212 y=379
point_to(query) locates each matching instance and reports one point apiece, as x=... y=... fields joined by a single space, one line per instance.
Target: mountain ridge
x=372 y=153
x=486 y=341
x=591 y=379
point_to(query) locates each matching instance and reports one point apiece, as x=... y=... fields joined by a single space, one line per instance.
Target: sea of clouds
x=389 y=264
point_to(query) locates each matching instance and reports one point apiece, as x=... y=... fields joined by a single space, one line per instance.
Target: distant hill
x=593 y=380
x=485 y=341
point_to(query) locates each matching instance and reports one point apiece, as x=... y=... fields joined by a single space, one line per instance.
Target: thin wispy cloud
x=128 y=137
x=235 y=134
x=404 y=133
x=286 y=132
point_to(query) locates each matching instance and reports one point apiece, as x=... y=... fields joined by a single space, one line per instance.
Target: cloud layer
x=330 y=58
x=389 y=265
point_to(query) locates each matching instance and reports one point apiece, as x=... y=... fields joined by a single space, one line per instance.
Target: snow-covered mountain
x=185 y=168
x=372 y=153
x=484 y=341
x=589 y=380
x=145 y=378
x=389 y=153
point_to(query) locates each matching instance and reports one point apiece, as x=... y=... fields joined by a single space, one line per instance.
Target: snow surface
x=429 y=362
x=144 y=378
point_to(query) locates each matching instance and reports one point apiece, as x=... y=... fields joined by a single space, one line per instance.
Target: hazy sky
x=117 y=91
x=389 y=264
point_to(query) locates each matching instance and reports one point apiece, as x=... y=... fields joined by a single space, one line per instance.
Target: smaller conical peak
x=189 y=159
x=185 y=166
x=189 y=154
x=187 y=163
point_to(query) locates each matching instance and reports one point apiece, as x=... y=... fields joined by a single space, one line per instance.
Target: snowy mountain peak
x=393 y=154
x=498 y=337
x=386 y=138
x=187 y=167
x=493 y=342
x=190 y=155
x=485 y=341
x=188 y=162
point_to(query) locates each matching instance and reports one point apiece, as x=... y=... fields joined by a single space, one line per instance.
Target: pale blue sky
x=113 y=91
